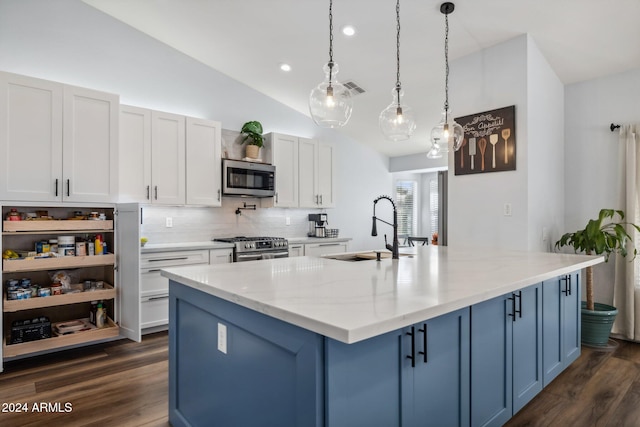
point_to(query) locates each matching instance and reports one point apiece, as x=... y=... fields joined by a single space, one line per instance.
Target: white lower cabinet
x=154 y=288
x=296 y=250
x=320 y=249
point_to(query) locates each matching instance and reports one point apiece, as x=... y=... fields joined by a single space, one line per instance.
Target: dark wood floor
x=121 y=383
x=124 y=383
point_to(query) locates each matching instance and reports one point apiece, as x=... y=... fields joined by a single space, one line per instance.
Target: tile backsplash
x=198 y=224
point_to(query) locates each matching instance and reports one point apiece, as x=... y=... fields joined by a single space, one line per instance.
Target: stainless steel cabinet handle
x=148 y=192
x=218 y=194
x=316 y=199
x=424 y=341
x=155 y=270
x=156 y=191
x=168 y=259
x=158 y=298
x=321 y=199
x=56 y=187
x=68 y=187
x=329 y=244
x=276 y=197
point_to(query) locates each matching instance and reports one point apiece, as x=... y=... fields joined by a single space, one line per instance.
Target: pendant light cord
x=330 y=40
x=398 y=85
x=446 y=67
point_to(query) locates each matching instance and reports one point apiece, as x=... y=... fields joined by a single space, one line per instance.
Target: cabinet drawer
x=154 y=311
x=173 y=259
x=152 y=283
x=220 y=256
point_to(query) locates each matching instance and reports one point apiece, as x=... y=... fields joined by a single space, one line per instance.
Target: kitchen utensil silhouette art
x=482 y=145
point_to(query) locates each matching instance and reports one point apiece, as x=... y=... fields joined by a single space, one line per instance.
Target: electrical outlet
x=222 y=338
x=287 y=220
x=169 y=222
x=507 y=209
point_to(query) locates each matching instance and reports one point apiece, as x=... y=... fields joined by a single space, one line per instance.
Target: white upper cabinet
x=135 y=154
x=316 y=174
x=204 y=164
x=30 y=138
x=305 y=171
x=57 y=142
x=90 y=145
x=284 y=155
x=167 y=158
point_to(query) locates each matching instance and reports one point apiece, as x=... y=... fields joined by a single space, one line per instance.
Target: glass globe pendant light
x=397 y=121
x=330 y=102
x=448 y=132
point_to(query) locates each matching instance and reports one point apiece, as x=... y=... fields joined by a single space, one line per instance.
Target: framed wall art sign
x=489 y=143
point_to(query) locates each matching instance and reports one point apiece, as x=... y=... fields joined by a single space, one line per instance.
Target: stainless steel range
x=255 y=248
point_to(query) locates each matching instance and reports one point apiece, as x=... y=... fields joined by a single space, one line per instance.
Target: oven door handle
x=278 y=254
x=248 y=257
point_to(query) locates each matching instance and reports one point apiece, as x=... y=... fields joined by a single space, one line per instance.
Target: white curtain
x=626 y=291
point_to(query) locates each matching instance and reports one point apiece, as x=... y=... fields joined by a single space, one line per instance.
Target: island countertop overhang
x=354 y=301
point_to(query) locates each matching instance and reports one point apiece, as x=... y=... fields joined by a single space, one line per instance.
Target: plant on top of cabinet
x=598 y=239
x=252 y=132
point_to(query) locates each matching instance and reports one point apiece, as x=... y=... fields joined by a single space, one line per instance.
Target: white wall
x=71 y=42
x=545 y=156
x=493 y=78
x=592 y=153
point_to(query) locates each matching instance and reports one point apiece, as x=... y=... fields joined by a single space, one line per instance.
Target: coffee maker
x=317 y=225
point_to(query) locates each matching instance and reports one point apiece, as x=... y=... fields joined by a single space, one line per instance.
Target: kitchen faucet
x=374 y=231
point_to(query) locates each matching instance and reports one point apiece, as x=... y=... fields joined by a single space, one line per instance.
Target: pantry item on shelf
x=66 y=245
x=30 y=329
x=56 y=289
x=10 y=254
x=14 y=215
x=72 y=326
x=101 y=316
x=42 y=247
x=53 y=246
x=42 y=214
x=143 y=241
x=62 y=278
x=94 y=216
x=81 y=248
x=44 y=292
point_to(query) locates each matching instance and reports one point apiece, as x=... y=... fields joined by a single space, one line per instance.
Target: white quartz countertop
x=308 y=240
x=353 y=301
x=183 y=246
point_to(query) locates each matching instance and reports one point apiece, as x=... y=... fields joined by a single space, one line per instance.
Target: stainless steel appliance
x=255 y=248
x=317 y=225
x=240 y=178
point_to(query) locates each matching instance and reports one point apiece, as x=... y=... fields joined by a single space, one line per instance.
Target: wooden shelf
x=11 y=306
x=13 y=350
x=17 y=265
x=68 y=225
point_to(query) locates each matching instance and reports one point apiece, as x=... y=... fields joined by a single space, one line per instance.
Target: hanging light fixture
x=447 y=132
x=330 y=102
x=397 y=121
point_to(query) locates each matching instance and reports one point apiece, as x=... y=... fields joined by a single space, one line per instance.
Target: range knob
x=247 y=245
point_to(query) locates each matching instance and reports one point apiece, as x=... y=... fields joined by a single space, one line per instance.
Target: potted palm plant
x=252 y=132
x=599 y=237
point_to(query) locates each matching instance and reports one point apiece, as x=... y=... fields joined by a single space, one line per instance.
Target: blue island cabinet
x=416 y=376
x=231 y=366
x=561 y=324
x=506 y=355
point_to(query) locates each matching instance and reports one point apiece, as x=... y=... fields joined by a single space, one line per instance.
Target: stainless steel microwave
x=240 y=178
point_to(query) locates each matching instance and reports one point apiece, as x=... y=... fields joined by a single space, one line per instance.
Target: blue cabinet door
x=270 y=373
x=552 y=336
x=561 y=324
x=571 y=319
x=441 y=379
x=376 y=383
x=527 y=346
x=491 y=362
x=364 y=381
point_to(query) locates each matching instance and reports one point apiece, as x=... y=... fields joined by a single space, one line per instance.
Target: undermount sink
x=363 y=256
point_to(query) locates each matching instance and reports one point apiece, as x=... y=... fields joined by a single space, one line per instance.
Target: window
x=433 y=205
x=407 y=205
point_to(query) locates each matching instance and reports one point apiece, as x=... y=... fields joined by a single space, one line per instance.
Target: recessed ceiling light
x=348 y=30
x=285 y=67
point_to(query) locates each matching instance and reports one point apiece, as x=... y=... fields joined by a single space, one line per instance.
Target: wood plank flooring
x=123 y=383
x=120 y=383
x=601 y=388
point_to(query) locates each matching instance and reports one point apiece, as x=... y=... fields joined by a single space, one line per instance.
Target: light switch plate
x=507 y=209
x=287 y=220
x=169 y=222
x=222 y=338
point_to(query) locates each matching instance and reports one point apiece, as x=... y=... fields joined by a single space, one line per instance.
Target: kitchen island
x=440 y=337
